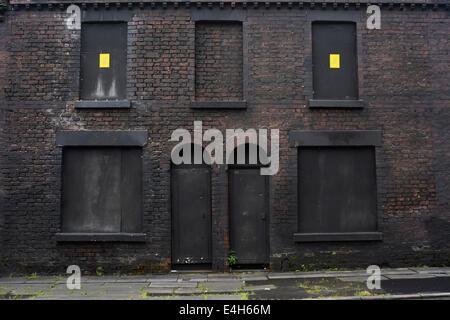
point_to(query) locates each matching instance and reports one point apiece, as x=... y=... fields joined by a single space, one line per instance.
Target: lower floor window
x=336 y=189
x=102 y=190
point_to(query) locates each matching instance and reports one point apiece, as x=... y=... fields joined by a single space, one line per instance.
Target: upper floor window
x=335 y=75
x=103 y=61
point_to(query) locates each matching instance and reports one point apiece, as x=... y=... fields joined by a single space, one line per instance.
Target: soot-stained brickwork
x=218 y=61
x=403 y=83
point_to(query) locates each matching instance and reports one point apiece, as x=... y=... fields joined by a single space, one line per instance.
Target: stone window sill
x=100 y=237
x=102 y=104
x=351 y=104
x=341 y=236
x=218 y=104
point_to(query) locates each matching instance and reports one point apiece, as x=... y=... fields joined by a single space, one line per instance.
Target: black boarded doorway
x=249 y=212
x=191 y=217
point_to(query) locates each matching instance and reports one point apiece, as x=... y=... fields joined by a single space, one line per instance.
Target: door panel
x=191 y=215
x=248 y=215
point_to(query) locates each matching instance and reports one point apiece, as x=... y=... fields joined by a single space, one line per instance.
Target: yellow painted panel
x=104 y=60
x=334 y=61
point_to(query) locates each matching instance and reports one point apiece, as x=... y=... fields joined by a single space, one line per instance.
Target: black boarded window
x=334 y=61
x=103 y=61
x=337 y=189
x=101 y=190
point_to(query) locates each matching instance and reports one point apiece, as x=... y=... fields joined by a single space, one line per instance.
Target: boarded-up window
x=102 y=189
x=218 y=61
x=103 y=61
x=334 y=60
x=336 y=189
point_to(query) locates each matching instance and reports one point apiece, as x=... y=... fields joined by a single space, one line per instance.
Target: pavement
x=403 y=283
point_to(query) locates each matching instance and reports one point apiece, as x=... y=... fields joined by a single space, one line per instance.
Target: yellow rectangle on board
x=104 y=60
x=334 y=61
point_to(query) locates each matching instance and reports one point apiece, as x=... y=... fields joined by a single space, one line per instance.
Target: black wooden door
x=191 y=215
x=248 y=200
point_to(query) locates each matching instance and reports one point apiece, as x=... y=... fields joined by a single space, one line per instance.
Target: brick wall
x=42 y=55
x=218 y=61
x=161 y=59
x=3 y=81
x=402 y=81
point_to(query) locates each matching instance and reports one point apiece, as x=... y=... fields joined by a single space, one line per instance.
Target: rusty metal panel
x=334 y=60
x=248 y=201
x=336 y=189
x=101 y=189
x=103 y=61
x=191 y=215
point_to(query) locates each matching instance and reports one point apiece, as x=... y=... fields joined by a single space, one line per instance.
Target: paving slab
x=92 y=285
x=202 y=297
x=124 y=287
x=194 y=278
x=223 y=283
x=57 y=287
x=44 y=280
x=176 y=298
x=388 y=271
x=225 y=297
x=60 y=289
x=247 y=273
x=431 y=270
x=97 y=279
x=447 y=274
x=188 y=291
x=254 y=278
x=281 y=276
x=388 y=297
x=435 y=295
x=221 y=276
x=162 y=280
x=358 y=279
x=437 y=274
x=224 y=286
x=354 y=273
x=26 y=288
x=301 y=276
x=173 y=284
x=133 y=280
x=64 y=297
x=259 y=287
x=160 y=291
x=315 y=274
x=12 y=280
x=164 y=276
x=409 y=276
